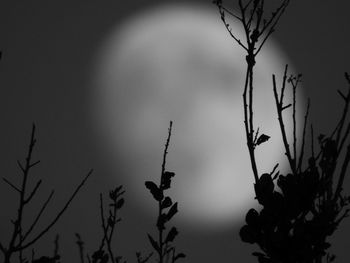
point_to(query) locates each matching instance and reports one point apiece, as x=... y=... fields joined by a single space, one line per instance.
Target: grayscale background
x=44 y=72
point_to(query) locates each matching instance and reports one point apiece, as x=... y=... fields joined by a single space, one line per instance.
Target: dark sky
x=44 y=72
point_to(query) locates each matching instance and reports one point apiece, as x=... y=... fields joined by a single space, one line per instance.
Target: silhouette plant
x=21 y=237
x=105 y=252
x=163 y=245
x=296 y=219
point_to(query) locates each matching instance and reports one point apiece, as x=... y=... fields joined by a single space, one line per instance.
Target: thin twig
x=103 y=222
x=2 y=248
x=17 y=230
x=160 y=232
x=30 y=229
x=280 y=12
x=11 y=184
x=312 y=143
x=303 y=138
x=56 y=248
x=294 y=85
x=342 y=174
x=280 y=120
x=33 y=192
x=344 y=114
x=80 y=244
x=229 y=30
x=45 y=230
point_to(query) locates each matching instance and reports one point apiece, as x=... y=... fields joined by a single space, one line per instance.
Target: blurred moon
x=177 y=62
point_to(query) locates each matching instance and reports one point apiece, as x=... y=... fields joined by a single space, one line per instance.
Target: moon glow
x=178 y=63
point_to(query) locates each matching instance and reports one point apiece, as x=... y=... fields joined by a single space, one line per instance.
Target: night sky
x=45 y=72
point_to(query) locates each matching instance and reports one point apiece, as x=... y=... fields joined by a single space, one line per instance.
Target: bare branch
x=11 y=184
x=80 y=244
x=247 y=5
x=294 y=85
x=166 y=148
x=252 y=13
x=222 y=13
x=56 y=248
x=301 y=156
x=312 y=143
x=33 y=192
x=33 y=164
x=20 y=165
x=346 y=135
x=30 y=229
x=344 y=114
x=231 y=13
x=2 y=248
x=45 y=230
x=280 y=120
x=286 y=107
x=344 y=215
x=103 y=222
x=341 y=94
x=274 y=20
x=256 y=136
x=342 y=174
x=274 y=169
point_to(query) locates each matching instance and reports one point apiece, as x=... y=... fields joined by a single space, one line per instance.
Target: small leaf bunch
x=297 y=217
x=164 y=244
x=105 y=253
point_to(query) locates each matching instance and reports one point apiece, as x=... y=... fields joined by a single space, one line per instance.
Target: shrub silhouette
x=21 y=237
x=296 y=219
x=105 y=252
x=164 y=246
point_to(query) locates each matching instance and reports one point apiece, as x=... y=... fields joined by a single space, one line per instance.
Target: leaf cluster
x=164 y=245
x=105 y=252
x=297 y=218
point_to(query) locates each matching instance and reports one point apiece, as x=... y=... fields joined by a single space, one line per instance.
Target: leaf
x=172 y=211
x=166 y=202
x=155 y=191
x=264 y=188
x=153 y=242
x=262 y=138
x=112 y=195
x=120 y=203
x=248 y=234
x=117 y=189
x=171 y=235
x=166 y=179
x=252 y=218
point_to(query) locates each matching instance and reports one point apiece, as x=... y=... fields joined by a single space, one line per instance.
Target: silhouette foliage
x=164 y=245
x=21 y=237
x=105 y=252
x=301 y=209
